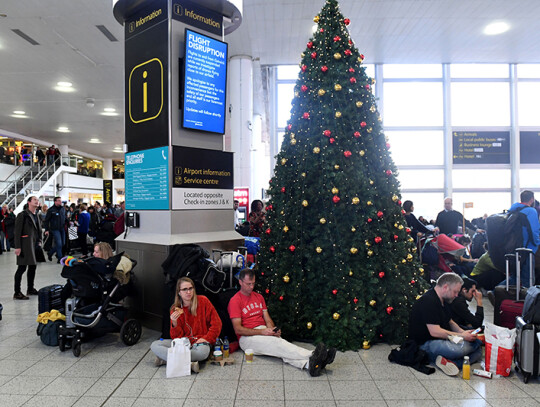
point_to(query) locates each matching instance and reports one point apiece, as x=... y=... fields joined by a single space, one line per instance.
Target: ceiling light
x=109 y=109
x=109 y=114
x=19 y=112
x=496 y=28
x=94 y=141
x=64 y=84
x=63 y=129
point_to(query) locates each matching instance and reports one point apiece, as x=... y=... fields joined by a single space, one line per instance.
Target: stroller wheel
x=77 y=349
x=130 y=332
x=61 y=343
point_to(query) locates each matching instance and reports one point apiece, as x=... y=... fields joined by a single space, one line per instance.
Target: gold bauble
x=292 y=136
x=353 y=229
x=409 y=256
x=281 y=213
x=396 y=225
x=379 y=118
x=355 y=200
x=296 y=94
x=337 y=55
x=360 y=59
x=303 y=174
x=336 y=167
x=351 y=273
x=372 y=303
x=293 y=141
x=338 y=115
x=304 y=203
x=362 y=153
x=316 y=150
x=286 y=279
x=283 y=161
x=336 y=316
x=403 y=261
x=315 y=19
x=366 y=345
x=410 y=239
x=354 y=250
x=318 y=249
x=309 y=325
x=369 y=130
x=370 y=182
x=372 y=109
x=321 y=92
x=400 y=227
x=369 y=203
x=285 y=228
x=367 y=243
x=335 y=190
x=413 y=250
x=359 y=104
x=421 y=270
x=373 y=81
x=395 y=198
x=370 y=253
x=337 y=87
x=322 y=221
x=302 y=54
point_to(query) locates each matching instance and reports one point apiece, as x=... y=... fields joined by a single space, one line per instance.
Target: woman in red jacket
x=194 y=317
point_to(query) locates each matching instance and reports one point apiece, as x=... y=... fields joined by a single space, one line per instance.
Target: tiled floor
x=111 y=374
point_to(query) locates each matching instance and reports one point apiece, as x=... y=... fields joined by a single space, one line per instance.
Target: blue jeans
x=59 y=237
x=3 y=238
x=525 y=274
x=452 y=351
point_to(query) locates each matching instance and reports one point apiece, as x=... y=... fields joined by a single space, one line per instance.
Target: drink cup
x=482 y=338
x=218 y=355
x=249 y=355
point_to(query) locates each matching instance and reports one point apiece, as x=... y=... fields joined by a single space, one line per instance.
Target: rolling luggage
x=509 y=299
x=531 y=307
x=49 y=298
x=526 y=355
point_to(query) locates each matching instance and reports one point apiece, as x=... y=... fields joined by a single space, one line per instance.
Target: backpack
x=48 y=333
x=531 y=308
x=429 y=254
x=409 y=354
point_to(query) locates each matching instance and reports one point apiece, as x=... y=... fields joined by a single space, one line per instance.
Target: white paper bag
x=179 y=358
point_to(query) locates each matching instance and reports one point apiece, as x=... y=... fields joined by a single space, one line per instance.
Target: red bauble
x=347 y=153
x=267 y=291
x=388 y=145
x=378 y=239
x=368 y=87
x=351 y=70
x=352 y=79
x=388 y=172
x=313 y=55
x=281 y=297
x=362 y=56
x=381 y=274
x=389 y=310
x=292 y=248
x=303 y=68
x=324 y=68
x=408 y=230
x=363 y=124
x=269 y=207
x=310 y=44
x=332 y=139
x=334 y=291
x=303 y=88
x=272 y=249
x=356 y=134
x=369 y=220
x=347 y=52
x=289 y=127
x=346 y=21
x=396 y=237
x=412 y=281
x=327 y=133
x=283 y=189
x=403 y=211
x=262 y=273
x=336 y=199
x=380 y=214
x=350 y=42
x=321 y=30
x=305 y=115
x=337 y=38
x=399 y=203
x=355 y=300
x=268 y=231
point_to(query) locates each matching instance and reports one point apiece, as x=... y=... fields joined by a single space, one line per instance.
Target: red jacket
x=206 y=324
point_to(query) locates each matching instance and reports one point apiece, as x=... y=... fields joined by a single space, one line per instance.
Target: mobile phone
x=276 y=329
x=477 y=330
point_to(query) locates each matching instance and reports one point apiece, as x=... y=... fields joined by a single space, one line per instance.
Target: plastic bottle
x=466 y=368
x=217 y=345
x=226 y=347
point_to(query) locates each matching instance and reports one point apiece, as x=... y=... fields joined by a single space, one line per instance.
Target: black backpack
x=409 y=354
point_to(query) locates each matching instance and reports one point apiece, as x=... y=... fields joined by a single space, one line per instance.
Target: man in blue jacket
x=54 y=223
x=531 y=242
x=83 y=221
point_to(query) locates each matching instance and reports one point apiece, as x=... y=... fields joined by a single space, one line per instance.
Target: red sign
x=242 y=196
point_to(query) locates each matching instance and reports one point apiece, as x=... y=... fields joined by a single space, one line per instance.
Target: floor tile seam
x=423 y=386
x=238 y=383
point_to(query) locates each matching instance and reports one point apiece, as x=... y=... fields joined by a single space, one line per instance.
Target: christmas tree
x=336 y=262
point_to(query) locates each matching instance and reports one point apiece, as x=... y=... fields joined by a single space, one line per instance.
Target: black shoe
x=491 y=297
x=58 y=261
x=49 y=256
x=317 y=359
x=20 y=296
x=31 y=291
x=330 y=356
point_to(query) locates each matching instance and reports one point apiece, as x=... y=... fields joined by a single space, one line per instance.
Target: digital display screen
x=205 y=80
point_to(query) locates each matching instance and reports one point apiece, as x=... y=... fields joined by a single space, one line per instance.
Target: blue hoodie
x=84 y=222
x=532 y=216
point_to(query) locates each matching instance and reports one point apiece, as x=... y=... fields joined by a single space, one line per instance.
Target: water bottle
x=217 y=345
x=226 y=348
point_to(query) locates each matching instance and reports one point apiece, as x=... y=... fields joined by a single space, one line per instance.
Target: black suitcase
x=527 y=355
x=510 y=292
x=50 y=298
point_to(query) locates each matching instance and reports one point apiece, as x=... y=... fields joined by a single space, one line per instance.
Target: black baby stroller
x=94 y=309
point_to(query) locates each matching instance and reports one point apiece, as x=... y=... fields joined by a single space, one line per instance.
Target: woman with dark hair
x=256 y=218
x=194 y=317
x=417 y=228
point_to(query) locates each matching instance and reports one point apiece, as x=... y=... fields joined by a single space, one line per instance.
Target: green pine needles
x=337 y=263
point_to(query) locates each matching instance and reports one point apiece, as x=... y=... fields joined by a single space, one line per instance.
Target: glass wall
x=425 y=105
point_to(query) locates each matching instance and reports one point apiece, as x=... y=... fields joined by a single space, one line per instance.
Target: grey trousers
x=199 y=351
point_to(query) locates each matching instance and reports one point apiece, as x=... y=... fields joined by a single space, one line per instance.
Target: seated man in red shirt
x=256 y=330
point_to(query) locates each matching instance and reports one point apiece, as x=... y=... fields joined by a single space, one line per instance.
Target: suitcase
x=526 y=355
x=49 y=298
x=531 y=307
x=509 y=300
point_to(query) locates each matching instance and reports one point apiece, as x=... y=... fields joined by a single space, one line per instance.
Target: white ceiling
x=72 y=49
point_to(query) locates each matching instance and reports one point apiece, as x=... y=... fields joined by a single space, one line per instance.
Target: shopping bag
x=499 y=348
x=179 y=358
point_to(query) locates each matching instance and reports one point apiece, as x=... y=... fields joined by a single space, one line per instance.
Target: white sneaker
x=447 y=366
x=195 y=367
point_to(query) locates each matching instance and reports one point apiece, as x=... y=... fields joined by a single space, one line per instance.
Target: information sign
x=529 y=147
x=481 y=147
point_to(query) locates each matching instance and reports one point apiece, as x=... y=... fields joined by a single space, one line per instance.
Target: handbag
x=499 y=348
x=40 y=256
x=179 y=358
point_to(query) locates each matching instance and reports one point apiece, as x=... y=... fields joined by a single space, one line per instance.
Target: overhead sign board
x=481 y=147
x=529 y=147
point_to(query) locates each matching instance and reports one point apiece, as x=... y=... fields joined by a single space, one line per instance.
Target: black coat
x=27 y=236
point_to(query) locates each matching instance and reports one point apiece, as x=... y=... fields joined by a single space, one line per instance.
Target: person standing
x=83 y=227
x=4 y=241
x=54 y=223
x=449 y=221
x=27 y=238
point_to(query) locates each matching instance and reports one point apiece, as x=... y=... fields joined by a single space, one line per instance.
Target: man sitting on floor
x=432 y=328
x=256 y=330
x=461 y=314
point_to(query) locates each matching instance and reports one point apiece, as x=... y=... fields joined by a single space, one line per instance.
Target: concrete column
x=447 y=120
x=63 y=149
x=515 y=157
x=241 y=103
x=107 y=168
